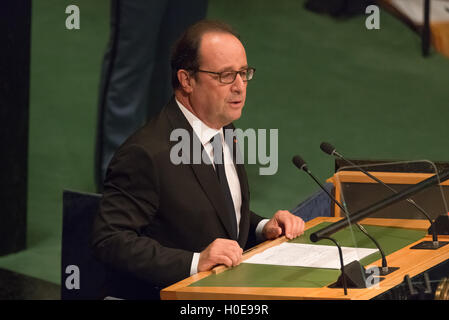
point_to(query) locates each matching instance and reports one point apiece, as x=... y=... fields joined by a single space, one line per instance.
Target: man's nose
x=238 y=85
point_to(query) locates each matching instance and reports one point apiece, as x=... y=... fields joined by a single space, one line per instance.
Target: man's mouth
x=236 y=102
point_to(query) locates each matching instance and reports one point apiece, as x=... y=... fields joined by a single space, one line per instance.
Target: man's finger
x=298 y=229
x=292 y=228
x=224 y=260
x=236 y=256
x=289 y=227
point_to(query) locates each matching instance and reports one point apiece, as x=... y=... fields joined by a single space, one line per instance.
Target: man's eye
x=227 y=75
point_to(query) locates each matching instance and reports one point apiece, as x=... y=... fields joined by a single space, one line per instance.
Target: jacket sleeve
x=130 y=202
x=254 y=220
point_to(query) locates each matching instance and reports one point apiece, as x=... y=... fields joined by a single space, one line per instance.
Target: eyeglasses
x=228 y=77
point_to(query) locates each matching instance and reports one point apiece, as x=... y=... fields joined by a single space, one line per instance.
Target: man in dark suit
x=160 y=220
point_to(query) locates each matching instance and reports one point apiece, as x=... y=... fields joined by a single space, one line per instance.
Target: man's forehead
x=223 y=49
x=217 y=36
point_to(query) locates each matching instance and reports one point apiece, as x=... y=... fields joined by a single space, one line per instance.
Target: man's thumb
x=276 y=232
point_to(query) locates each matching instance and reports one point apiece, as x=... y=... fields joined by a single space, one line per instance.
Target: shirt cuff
x=194 y=265
x=259 y=229
x=259 y=237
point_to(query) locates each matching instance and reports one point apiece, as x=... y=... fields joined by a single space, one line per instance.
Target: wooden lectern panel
x=361 y=191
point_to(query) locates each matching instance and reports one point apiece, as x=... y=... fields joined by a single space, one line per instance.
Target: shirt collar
x=202 y=130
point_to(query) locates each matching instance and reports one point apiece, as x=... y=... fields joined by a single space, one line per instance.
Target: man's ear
x=186 y=80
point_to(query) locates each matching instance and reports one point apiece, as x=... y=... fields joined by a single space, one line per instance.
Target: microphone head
x=327 y=148
x=299 y=162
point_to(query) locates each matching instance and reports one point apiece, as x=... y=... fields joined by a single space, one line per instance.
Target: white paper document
x=308 y=255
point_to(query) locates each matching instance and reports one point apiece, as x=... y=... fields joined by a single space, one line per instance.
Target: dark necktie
x=220 y=170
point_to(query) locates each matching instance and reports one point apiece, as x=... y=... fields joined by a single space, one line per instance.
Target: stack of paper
x=309 y=255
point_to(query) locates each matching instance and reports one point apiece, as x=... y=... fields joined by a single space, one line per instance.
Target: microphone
x=331 y=150
x=301 y=165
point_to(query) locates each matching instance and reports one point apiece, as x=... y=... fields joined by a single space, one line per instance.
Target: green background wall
x=371 y=93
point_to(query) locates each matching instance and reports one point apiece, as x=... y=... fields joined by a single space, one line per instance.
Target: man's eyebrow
x=232 y=69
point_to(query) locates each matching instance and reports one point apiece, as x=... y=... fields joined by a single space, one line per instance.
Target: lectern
x=397 y=236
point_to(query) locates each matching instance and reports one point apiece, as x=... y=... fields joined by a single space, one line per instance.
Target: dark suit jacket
x=154 y=215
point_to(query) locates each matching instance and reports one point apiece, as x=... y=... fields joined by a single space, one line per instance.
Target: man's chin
x=230 y=119
x=235 y=114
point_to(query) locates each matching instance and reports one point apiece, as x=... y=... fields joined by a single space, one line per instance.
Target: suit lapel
x=204 y=173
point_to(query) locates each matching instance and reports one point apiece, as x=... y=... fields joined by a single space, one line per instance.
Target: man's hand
x=220 y=251
x=283 y=222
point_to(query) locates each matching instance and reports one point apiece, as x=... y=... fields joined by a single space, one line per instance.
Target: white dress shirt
x=205 y=134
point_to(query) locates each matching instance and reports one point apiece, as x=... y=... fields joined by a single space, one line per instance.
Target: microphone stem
x=340 y=254
x=382 y=253
x=361 y=228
